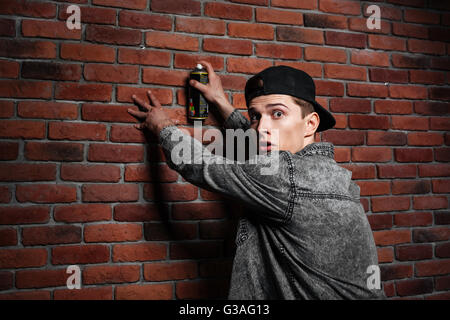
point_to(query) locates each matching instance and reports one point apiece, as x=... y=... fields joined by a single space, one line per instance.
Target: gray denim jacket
x=305 y=234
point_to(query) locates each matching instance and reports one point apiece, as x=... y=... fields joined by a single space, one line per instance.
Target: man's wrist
x=162 y=125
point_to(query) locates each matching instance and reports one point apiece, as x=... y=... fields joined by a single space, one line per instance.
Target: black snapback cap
x=289 y=81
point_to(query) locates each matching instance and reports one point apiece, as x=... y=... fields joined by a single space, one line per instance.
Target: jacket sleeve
x=236 y=120
x=261 y=182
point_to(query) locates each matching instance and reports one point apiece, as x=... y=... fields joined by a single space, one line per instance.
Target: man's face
x=274 y=113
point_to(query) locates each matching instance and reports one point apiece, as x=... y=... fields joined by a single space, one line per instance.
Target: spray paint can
x=198 y=106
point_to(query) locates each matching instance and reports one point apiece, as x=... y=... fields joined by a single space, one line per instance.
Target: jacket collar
x=320 y=148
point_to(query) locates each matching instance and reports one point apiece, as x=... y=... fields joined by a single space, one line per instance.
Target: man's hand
x=155 y=119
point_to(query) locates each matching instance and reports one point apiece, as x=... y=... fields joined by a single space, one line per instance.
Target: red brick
x=188 y=61
x=391 y=237
x=198 y=25
x=6 y=109
x=25 y=89
x=24 y=214
x=80 y=254
x=268 y=15
x=168 y=40
x=115 y=153
x=129 y=4
x=172 y=192
x=307 y=4
x=350 y=105
x=313 y=69
x=76 y=131
x=47 y=110
x=408 y=92
x=425 y=46
x=26 y=295
x=109 y=113
x=146 y=173
x=430 y=202
x=414 y=287
x=396 y=171
x=228 y=11
x=340 y=6
x=112 y=35
x=247 y=65
x=425 y=139
x=139 y=252
x=28 y=8
x=278 y=51
x=144 y=57
x=369 y=188
x=421 y=16
x=360 y=24
x=386 y=42
x=110 y=192
x=202 y=289
x=344 y=39
x=112 y=232
x=441 y=186
x=196 y=211
x=431 y=235
x=46 y=193
x=434 y=170
x=408 y=123
x=51 y=235
x=368 y=122
x=410 y=30
x=439 y=124
x=413 y=155
x=252 y=31
x=440 y=63
x=371 y=58
x=439 y=93
x=92 y=173
x=87 y=92
x=340 y=137
x=385 y=255
x=406 y=187
x=22 y=258
x=232 y=46
x=140 y=20
x=325 y=21
x=82 y=212
x=101 y=293
x=137 y=212
x=8 y=237
x=9 y=69
x=410 y=61
x=54 y=151
x=90 y=15
x=432 y=268
x=7 y=27
x=325 y=54
x=108 y=73
x=231 y=82
x=383 y=138
x=380 y=204
x=371 y=154
x=215 y=229
x=443 y=251
x=342 y=154
x=431 y=108
x=301 y=35
x=10 y=150
x=27 y=172
x=170 y=271
x=176 y=6
x=386 y=75
x=329 y=88
x=128 y=134
x=164 y=77
x=111 y=274
x=144 y=292
x=344 y=72
x=5 y=194
x=27 y=49
x=366 y=90
x=412 y=219
x=391 y=272
x=393 y=107
x=49 y=29
x=361 y=171
x=87 y=52
x=427 y=77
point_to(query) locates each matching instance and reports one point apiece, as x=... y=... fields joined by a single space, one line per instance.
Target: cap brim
x=327 y=121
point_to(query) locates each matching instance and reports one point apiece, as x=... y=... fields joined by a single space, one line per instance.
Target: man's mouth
x=265 y=145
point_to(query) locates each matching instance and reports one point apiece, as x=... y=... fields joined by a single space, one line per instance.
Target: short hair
x=305 y=107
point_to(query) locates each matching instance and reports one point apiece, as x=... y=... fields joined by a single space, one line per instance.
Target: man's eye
x=278 y=114
x=253 y=117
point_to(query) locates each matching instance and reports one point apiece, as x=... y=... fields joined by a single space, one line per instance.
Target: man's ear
x=312 y=121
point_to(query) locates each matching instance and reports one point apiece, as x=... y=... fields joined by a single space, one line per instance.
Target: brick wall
x=80 y=186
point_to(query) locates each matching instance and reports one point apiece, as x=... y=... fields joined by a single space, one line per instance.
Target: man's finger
x=208 y=66
x=138 y=114
x=141 y=102
x=197 y=85
x=139 y=126
x=153 y=99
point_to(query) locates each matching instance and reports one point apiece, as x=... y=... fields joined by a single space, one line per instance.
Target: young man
x=305 y=235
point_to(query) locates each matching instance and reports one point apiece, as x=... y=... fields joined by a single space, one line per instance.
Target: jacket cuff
x=235 y=121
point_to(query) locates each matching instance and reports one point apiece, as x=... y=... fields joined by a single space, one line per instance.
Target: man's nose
x=263 y=126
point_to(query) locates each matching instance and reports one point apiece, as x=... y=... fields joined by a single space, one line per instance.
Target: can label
x=198 y=106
